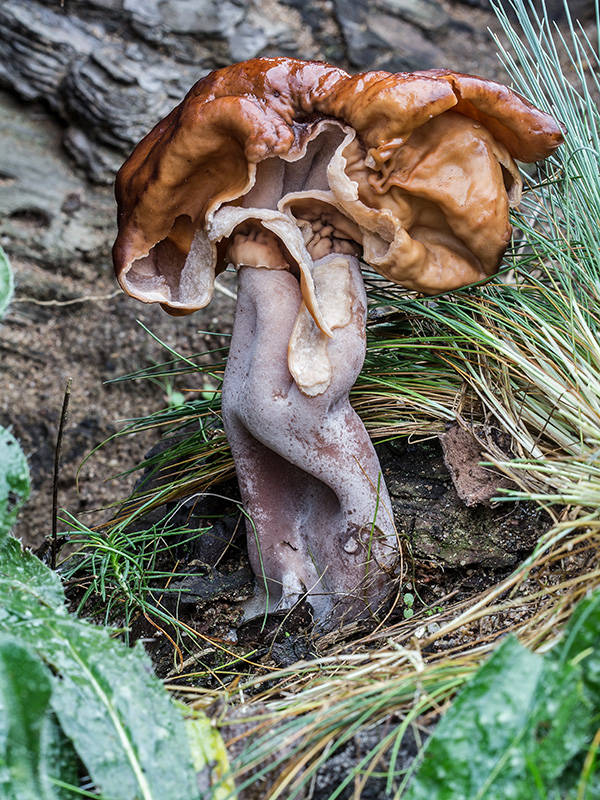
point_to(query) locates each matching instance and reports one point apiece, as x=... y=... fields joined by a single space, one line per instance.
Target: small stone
x=426 y=14
x=72 y=203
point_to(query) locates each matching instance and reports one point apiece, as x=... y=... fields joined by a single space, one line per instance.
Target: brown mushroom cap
x=527 y=133
x=418 y=172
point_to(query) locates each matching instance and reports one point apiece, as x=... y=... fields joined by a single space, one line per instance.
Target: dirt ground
x=92 y=342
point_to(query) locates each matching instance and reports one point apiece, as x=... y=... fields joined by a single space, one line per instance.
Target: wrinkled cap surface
x=284 y=162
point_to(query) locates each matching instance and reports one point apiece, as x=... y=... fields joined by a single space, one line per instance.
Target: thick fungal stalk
x=320 y=520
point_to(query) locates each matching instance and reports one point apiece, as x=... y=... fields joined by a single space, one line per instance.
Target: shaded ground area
x=450 y=552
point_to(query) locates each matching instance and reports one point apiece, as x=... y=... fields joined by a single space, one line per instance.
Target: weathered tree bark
x=110 y=68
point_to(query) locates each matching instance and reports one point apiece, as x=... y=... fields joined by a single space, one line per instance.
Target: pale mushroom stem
x=320 y=521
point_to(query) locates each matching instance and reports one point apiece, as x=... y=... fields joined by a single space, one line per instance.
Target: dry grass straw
x=399 y=677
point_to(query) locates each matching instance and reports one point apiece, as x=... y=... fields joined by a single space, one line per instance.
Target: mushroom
x=292 y=171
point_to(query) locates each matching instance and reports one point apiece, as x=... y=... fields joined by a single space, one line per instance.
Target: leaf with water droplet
x=14 y=480
x=23 y=576
x=121 y=721
x=33 y=751
x=524 y=723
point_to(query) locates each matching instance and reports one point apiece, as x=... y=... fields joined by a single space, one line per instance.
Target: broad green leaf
x=59 y=765
x=557 y=731
x=24 y=699
x=6 y=283
x=473 y=738
x=209 y=757
x=581 y=642
x=523 y=725
x=14 y=480
x=122 y=723
x=32 y=748
x=564 y=713
x=22 y=575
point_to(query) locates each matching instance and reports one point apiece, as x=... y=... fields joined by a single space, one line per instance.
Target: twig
x=61 y=427
x=73 y=301
x=225 y=291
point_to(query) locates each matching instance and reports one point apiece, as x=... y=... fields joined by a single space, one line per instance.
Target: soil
x=92 y=342
x=450 y=551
